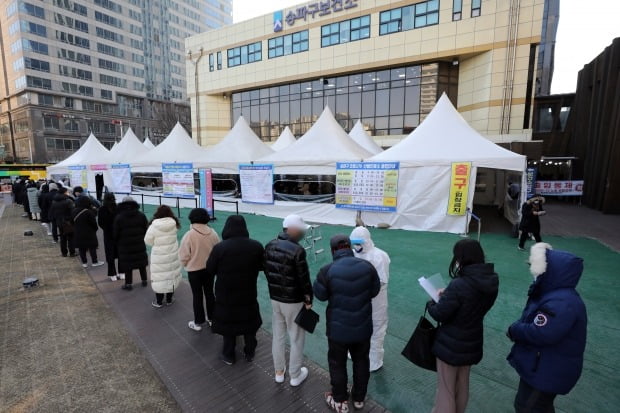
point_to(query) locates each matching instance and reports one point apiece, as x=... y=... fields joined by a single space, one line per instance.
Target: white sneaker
x=280 y=377
x=194 y=326
x=121 y=276
x=98 y=263
x=303 y=375
x=85 y=265
x=113 y=278
x=49 y=233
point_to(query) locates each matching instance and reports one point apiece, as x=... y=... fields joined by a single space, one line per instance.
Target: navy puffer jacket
x=349 y=283
x=550 y=337
x=287 y=272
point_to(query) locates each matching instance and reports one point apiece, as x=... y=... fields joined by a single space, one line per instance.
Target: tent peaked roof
x=147 y=142
x=92 y=152
x=360 y=136
x=286 y=138
x=323 y=145
x=128 y=148
x=238 y=146
x=445 y=137
x=177 y=147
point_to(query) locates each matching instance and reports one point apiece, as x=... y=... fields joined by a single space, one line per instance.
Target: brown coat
x=196 y=247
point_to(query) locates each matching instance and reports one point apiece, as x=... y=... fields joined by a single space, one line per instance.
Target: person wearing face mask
x=364 y=247
x=290 y=288
x=550 y=337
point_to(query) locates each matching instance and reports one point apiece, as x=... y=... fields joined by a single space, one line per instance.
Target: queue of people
x=549 y=337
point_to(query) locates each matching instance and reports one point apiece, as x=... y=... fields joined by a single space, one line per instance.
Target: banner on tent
x=256 y=183
x=206 y=190
x=99 y=167
x=120 y=175
x=559 y=188
x=367 y=186
x=530 y=179
x=459 y=188
x=78 y=175
x=178 y=179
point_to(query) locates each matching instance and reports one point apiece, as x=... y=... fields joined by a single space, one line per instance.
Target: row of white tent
x=425 y=156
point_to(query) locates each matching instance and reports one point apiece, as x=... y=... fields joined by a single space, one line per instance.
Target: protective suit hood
x=362 y=234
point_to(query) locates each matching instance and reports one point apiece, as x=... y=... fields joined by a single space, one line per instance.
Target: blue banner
x=530 y=180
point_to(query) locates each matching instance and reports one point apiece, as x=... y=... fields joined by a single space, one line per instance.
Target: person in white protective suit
x=364 y=248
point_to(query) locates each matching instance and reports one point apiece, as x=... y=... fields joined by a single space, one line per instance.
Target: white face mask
x=358 y=248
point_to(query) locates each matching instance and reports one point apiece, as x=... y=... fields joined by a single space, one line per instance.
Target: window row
x=72 y=39
x=71 y=22
x=51 y=122
x=71 y=6
x=107 y=19
x=30 y=63
x=77 y=89
x=110 y=35
x=110 y=5
x=110 y=65
x=75 y=72
x=29 y=45
x=61 y=144
x=288 y=44
x=27 y=27
x=345 y=31
x=74 y=56
x=212 y=61
x=411 y=17
x=242 y=55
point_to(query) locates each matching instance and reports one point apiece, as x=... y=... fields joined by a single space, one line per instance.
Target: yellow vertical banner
x=459 y=188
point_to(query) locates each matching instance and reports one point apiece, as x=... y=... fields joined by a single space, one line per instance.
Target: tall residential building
x=74 y=67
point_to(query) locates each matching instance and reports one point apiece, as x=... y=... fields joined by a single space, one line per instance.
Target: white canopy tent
x=127 y=149
x=360 y=136
x=426 y=158
x=286 y=138
x=240 y=145
x=147 y=142
x=92 y=152
x=177 y=147
x=318 y=150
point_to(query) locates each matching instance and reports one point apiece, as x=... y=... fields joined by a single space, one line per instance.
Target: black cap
x=339 y=242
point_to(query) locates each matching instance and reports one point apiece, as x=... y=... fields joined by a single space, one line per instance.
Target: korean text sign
x=79 y=176
x=367 y=186
x=559 y=188
x=459 y=188
x=256 y=183
x=178 y=179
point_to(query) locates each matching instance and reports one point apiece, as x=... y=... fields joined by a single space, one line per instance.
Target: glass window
x=211 y=62
x=287 y=44
x=345 y=31
x=457 y=10
x=476 y=6
x=245 y=54
x=219 y=60
x=409 y=17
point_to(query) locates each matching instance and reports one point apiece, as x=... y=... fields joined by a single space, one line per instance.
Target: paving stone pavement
x=62 y=349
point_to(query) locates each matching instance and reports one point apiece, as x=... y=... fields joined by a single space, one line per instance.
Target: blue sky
x=586 y=28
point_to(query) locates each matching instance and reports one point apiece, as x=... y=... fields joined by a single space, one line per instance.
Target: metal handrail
x=478 y=220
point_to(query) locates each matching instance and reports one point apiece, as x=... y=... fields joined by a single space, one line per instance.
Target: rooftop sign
x=311 y=10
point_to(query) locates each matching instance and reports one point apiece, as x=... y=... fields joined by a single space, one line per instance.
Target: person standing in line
x=460 y=311
x=195 y=249
x=550 y=337
x=348 y=284
x=531 y=211
x=32 y=194
x=235 y=263
x=24 y=198
x=364 y=248
x=47 y=203
x=44 y=205
x=165 y=264
x=130 y=226
x=85 y=231
x=105 y=218
x=60 y=212
x=290 y=289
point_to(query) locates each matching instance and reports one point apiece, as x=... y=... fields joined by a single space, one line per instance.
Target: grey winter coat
x=33 y=200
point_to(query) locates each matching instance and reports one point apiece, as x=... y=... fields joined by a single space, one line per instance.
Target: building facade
x=72 y=67
x=385 y=62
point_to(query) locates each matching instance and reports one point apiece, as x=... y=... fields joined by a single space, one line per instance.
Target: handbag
x=307 y=319
x=66 y=227
x=419 y=348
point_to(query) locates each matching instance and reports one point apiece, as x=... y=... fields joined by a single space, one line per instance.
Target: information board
x=367 y=186
x=120 y=175
x=256 y=183
x=78 y=175
x=178 y=179
x=206 y=190
x=459 y=188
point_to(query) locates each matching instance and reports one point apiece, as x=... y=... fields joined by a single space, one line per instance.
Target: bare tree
x=167 y=114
